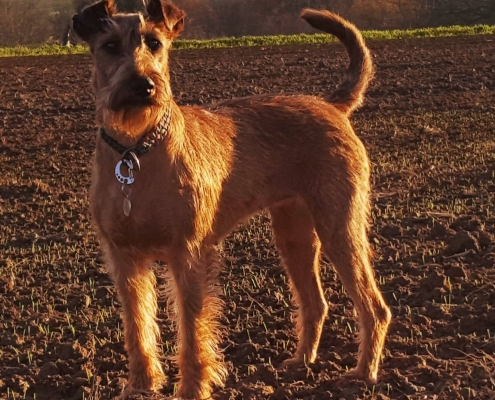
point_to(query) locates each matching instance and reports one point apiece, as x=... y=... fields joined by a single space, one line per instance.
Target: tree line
x=34 y=22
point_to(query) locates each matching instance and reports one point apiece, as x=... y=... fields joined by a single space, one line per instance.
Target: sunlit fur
x=296 y=156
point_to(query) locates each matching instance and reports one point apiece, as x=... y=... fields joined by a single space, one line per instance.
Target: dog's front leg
x=135 y=284
x=194 y=287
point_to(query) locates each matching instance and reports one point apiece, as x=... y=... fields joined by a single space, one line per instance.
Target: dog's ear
x=162 y=12
x=91 y=20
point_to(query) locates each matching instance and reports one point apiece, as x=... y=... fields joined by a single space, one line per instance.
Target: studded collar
x=149 y=140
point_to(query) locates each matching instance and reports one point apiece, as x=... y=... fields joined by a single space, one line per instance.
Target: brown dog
x=170 y=182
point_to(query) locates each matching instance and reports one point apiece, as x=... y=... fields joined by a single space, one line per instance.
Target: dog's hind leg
x=341 y=220
x=135 y=283
x=194 y=291
x=299 y=249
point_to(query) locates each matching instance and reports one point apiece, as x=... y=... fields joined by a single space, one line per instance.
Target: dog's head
x=130 y=51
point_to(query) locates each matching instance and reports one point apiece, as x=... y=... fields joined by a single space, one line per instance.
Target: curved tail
x=350 y=93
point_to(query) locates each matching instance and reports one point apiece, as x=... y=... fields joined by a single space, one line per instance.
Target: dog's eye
x=153 y=44
x=111 y=47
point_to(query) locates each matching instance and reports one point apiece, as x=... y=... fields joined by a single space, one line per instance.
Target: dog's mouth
x=124 y=102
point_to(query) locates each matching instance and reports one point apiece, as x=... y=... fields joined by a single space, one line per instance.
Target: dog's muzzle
x=142 y=87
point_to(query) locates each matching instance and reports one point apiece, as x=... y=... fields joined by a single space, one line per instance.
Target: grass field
x=265 y=40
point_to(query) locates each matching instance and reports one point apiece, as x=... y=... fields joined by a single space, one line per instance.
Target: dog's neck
x=147 y=141
x=130 y=127
x=123 y=140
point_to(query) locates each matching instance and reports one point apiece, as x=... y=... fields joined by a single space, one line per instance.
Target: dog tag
x=118 y=174
x=127 y=207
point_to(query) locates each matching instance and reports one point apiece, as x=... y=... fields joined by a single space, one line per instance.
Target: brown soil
x=428 y=124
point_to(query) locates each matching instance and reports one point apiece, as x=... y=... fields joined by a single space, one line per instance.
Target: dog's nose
x=142 y=86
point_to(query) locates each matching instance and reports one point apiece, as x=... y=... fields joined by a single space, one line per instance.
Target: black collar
x=149 y=140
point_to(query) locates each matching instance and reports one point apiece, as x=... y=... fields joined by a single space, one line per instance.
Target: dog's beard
x=132 y=122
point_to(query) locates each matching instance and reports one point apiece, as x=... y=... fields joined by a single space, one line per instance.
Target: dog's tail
x=350 y=93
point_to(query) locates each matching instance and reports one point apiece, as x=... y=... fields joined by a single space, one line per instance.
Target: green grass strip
x=42 y=50
x=244 y=41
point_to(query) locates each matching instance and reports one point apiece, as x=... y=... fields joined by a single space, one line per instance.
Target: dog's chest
x=145 y=214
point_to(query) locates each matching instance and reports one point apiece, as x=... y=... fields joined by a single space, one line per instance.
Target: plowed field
x=429 y=126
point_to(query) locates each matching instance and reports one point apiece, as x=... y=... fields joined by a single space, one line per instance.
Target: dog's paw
x=188 y=398
x=357 y=374
x=131 y=393
x=298 y=361
x=292 y=362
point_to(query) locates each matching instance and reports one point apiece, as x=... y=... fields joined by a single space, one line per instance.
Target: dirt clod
x=48 y=369
x=485 y=239
x=434 y=280
x=438 y=231
x=460 y=242
x=467 y=223
x=455 y=271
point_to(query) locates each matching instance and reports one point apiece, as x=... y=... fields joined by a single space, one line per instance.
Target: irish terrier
x=169 y=183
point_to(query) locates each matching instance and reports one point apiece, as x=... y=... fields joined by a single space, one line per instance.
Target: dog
x=170 y=182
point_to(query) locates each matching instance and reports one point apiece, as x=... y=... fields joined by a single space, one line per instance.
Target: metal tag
x=121 y=178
